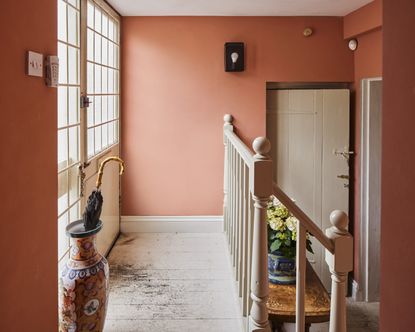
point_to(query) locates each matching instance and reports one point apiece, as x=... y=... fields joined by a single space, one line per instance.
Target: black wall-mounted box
x=239 y=64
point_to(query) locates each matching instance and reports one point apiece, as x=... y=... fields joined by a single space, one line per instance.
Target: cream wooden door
x=309 y=132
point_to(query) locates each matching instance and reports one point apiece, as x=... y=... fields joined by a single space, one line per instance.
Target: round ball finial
x=261 y=146
x=340 y=220
x=228 y=118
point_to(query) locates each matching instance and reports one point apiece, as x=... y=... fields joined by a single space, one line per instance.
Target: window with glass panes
x=68 y=118
x=102 y=79
x=92 y=70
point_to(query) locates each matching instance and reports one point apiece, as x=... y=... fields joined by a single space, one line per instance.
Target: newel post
x=261 y=189
x=228 y=119
x=340 y=264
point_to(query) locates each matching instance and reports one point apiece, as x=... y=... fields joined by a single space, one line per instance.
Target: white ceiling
x=236 y=7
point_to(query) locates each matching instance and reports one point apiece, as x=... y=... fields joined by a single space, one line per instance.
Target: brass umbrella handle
x=101 y=169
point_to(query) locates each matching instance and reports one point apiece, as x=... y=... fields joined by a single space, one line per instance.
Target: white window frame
x=72 y=210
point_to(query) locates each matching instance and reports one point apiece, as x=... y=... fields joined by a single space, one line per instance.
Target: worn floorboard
x=172 y=282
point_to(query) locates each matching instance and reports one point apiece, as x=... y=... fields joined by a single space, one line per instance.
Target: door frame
x=365 y=289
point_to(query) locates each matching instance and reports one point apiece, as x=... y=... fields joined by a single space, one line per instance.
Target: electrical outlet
x=34 y=64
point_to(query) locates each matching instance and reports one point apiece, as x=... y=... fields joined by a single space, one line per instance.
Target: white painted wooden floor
x=172 y=282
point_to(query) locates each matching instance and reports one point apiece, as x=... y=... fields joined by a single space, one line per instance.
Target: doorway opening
x=308 y=126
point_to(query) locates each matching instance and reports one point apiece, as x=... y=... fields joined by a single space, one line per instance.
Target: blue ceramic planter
x=281 y=270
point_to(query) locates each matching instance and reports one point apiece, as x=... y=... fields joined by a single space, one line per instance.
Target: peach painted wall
x=175 y=93
x=397 y=306
x=28 y=190
x=364 y=24
x=364 y=19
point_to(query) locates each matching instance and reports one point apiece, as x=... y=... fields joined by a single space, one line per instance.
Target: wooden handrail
x=310 y=226
x=246 y=154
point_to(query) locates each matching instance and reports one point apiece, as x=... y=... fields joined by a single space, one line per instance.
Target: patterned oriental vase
x=83 y=285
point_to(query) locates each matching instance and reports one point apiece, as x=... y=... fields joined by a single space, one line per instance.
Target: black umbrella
x=95 y=200
x=93 y=210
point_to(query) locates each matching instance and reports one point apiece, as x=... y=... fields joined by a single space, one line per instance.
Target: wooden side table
x=281 y=302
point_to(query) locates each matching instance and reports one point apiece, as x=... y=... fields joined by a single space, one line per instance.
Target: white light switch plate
x=34 y=64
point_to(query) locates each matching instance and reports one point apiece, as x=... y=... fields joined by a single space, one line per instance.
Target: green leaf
x=289 y=252
x=271 y=234
x=275 y=245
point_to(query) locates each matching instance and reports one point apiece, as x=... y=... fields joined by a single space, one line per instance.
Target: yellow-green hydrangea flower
x=283 y=225
x=281 y=211
x=291 y=223
x=294 y=235
x=282 y=236
x=277 y=224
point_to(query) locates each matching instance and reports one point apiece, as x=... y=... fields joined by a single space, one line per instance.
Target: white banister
x=261 y=189
x=239 y=219
x=227 y=126
x=245 y=242
x=247 y=188
x=238 y=211
x=339 y=256
x=300 y=278
x=239 y=263
x=232 y=203
x=239 y=146
x=340 y=263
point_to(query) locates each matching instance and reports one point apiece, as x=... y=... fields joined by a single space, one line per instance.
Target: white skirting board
x=171 y=224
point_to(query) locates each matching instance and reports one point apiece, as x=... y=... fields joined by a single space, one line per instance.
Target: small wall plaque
x=234 y=57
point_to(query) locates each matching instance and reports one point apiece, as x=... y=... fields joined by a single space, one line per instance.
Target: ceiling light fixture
x=307 y=32
x=353 y=44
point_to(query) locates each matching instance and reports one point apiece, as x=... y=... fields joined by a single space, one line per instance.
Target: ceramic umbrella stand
x=83 y=284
